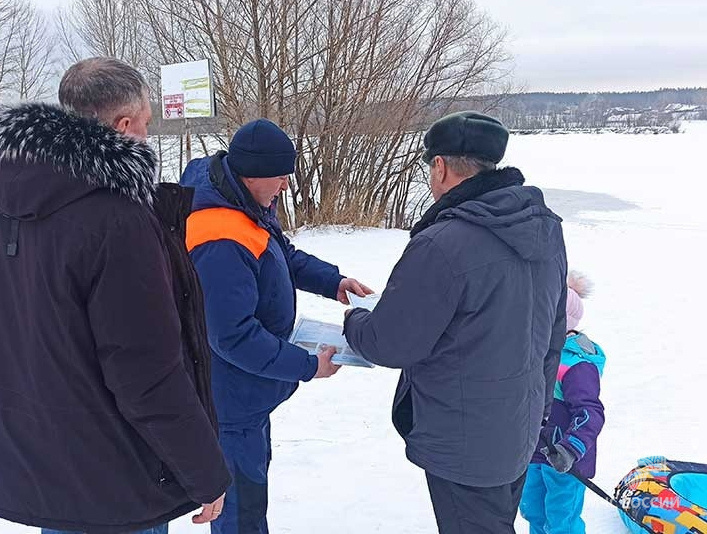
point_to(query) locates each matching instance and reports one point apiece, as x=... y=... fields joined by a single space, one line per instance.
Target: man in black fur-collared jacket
x=106 y=420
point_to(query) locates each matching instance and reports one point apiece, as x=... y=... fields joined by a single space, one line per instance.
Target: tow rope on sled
x=597 y=490
x=669 y=495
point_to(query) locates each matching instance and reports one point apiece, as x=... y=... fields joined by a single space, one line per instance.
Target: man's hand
x=209 y=512
x=354 y=286
x=561 y=459
x=325 y=368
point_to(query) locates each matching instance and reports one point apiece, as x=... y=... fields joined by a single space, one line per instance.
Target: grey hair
x=467 y=165
x=102 y=87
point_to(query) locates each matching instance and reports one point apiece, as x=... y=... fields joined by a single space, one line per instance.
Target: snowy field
x=636 y=223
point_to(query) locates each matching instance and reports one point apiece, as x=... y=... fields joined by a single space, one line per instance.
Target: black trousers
x=470 y=510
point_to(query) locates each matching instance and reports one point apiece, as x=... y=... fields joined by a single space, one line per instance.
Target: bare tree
x=392 y=66
x=109 y=28
x=70 y=44
x=26 y=50
x=34 y=55
x=112 y=28
x=354 y=82
x=8 y=29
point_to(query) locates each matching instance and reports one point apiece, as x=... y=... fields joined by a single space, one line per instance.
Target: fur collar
x=79 y=147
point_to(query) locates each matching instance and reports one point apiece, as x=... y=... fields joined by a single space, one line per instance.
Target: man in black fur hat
x=106 y=419
x=474 y=315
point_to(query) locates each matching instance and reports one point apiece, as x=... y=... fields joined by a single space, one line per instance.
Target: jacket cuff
x=576 y=445
x=311 y=370
x=304 y=365
x=348 y=334
x=348 y=319
x=331 y=288
x=220 y=489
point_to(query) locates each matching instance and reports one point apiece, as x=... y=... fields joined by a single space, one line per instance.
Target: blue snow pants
x=248 y=454
x=552 y=502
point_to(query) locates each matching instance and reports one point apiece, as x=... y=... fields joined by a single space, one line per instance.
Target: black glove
x=560 y=458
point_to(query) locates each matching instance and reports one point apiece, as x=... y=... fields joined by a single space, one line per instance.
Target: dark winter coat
x=103 y=389
x=249 y=271
x=474 y=315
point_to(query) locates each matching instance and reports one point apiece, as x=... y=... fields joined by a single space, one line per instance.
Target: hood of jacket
x=517 y=215
x=197 y=175
x=50 y=157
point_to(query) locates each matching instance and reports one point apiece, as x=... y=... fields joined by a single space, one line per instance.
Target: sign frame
x=187 y=90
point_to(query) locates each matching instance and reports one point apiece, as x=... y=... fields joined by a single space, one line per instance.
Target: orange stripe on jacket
x=214 y=224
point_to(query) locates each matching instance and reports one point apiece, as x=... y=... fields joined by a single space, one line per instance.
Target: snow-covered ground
x=636 y=223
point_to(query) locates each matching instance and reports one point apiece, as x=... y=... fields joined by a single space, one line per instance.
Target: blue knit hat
x=260 y=149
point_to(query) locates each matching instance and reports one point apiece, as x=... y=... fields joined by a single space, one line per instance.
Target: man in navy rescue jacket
x=249 y=271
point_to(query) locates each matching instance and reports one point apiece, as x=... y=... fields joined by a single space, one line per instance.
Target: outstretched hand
x=354 y=286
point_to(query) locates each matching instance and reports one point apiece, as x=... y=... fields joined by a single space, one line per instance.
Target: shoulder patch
x=586 y=344
x=215 y=224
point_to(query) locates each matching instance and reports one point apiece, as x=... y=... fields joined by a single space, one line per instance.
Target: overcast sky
x=598 y=45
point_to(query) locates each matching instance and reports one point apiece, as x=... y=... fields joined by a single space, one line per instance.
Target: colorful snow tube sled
x=664 y=496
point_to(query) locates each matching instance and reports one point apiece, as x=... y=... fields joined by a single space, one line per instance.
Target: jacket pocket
x=165 y=476
x=403 y=416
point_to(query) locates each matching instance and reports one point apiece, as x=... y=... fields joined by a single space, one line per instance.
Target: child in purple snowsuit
x=553 y=498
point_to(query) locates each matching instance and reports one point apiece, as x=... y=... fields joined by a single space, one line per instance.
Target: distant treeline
x=540 y=111
x=663 y=107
